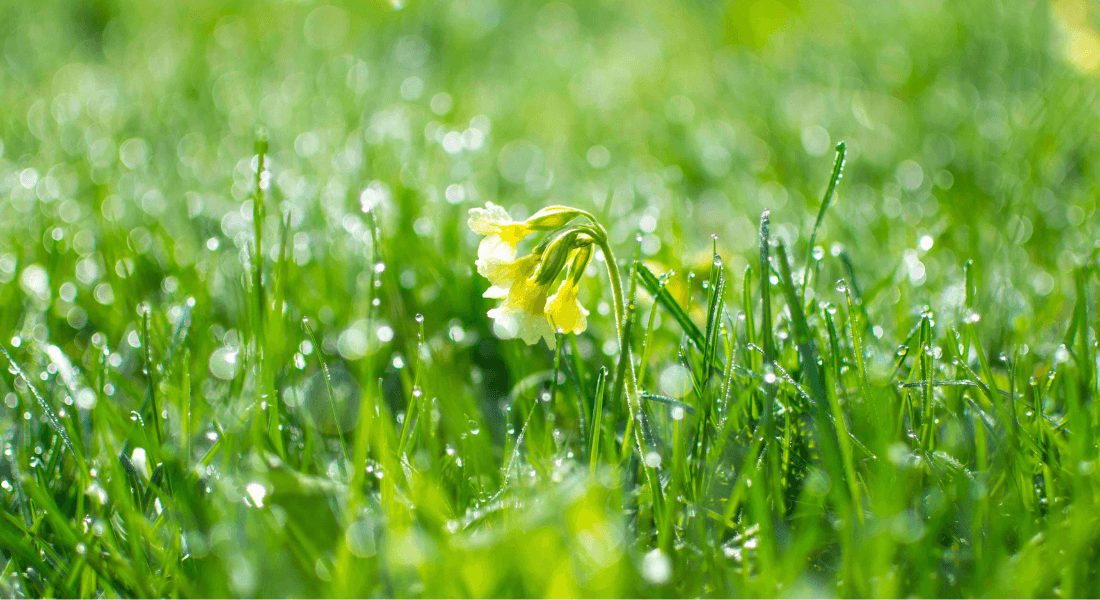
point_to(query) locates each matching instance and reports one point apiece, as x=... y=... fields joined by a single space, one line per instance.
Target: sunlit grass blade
x=332 y=398
x=830 y=191
x=597 y=419
x=653 y=286
x=808 y=359
x=47 y=410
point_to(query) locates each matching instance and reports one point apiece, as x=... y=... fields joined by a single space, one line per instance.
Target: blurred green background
x=127 y=174
x=974 y=124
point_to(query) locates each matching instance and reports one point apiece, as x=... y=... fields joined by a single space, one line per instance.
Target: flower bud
x=580 y=260
x=556 y=255
x=551 y=217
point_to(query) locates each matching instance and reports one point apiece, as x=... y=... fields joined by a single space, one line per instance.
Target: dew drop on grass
x=656 y=567
x=223 y=363
x=256 y=492
x=674 y=381
x=359 y=538
x=1061 y=355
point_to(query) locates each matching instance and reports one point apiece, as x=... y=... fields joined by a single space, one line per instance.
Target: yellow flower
x=502 y=272
x=502 y=234
x=565 y=310
x=523 y=312
x=524 y=283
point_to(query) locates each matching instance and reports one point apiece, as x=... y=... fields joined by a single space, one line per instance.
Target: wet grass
x=258 y=364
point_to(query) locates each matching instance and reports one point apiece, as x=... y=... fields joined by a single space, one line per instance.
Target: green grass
x=247 y=351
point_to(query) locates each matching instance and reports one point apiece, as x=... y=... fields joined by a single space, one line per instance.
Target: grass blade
x=653 y=286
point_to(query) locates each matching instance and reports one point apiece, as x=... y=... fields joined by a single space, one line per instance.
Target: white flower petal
x=533 y=327
x=510 y=321
x=505 y=324
x=493 y=246
x=488 y=220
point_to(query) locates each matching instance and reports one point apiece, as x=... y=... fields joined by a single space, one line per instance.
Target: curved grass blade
x=838 y=171
x=669 y=402
x=51 y=416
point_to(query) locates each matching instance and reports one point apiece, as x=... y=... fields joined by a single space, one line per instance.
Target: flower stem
x=629 y=380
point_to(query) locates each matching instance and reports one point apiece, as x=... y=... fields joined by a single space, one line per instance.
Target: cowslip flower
x=524 y=283
x=527 y=311
x=502 y=272
x=563 y=308
x=523 y=312
x=502 y=234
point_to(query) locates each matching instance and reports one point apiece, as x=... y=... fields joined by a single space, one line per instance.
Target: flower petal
x=488 y=220
x=564 y=309
x=493 y=246
x=532 y=327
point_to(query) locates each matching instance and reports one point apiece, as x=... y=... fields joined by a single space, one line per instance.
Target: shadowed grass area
x=248 y=354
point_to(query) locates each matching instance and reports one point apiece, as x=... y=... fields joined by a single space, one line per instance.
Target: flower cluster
x=528 y=310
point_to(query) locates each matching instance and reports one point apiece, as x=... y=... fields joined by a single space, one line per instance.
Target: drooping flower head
x=564 y=308
x=523 y=312
x=524 y=283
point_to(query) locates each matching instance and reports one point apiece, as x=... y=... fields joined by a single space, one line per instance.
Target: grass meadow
x=839 y=261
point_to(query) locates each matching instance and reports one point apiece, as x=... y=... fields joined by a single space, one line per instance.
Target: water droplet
x=656 y=567
x=419 y=318
x=1061 y=355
